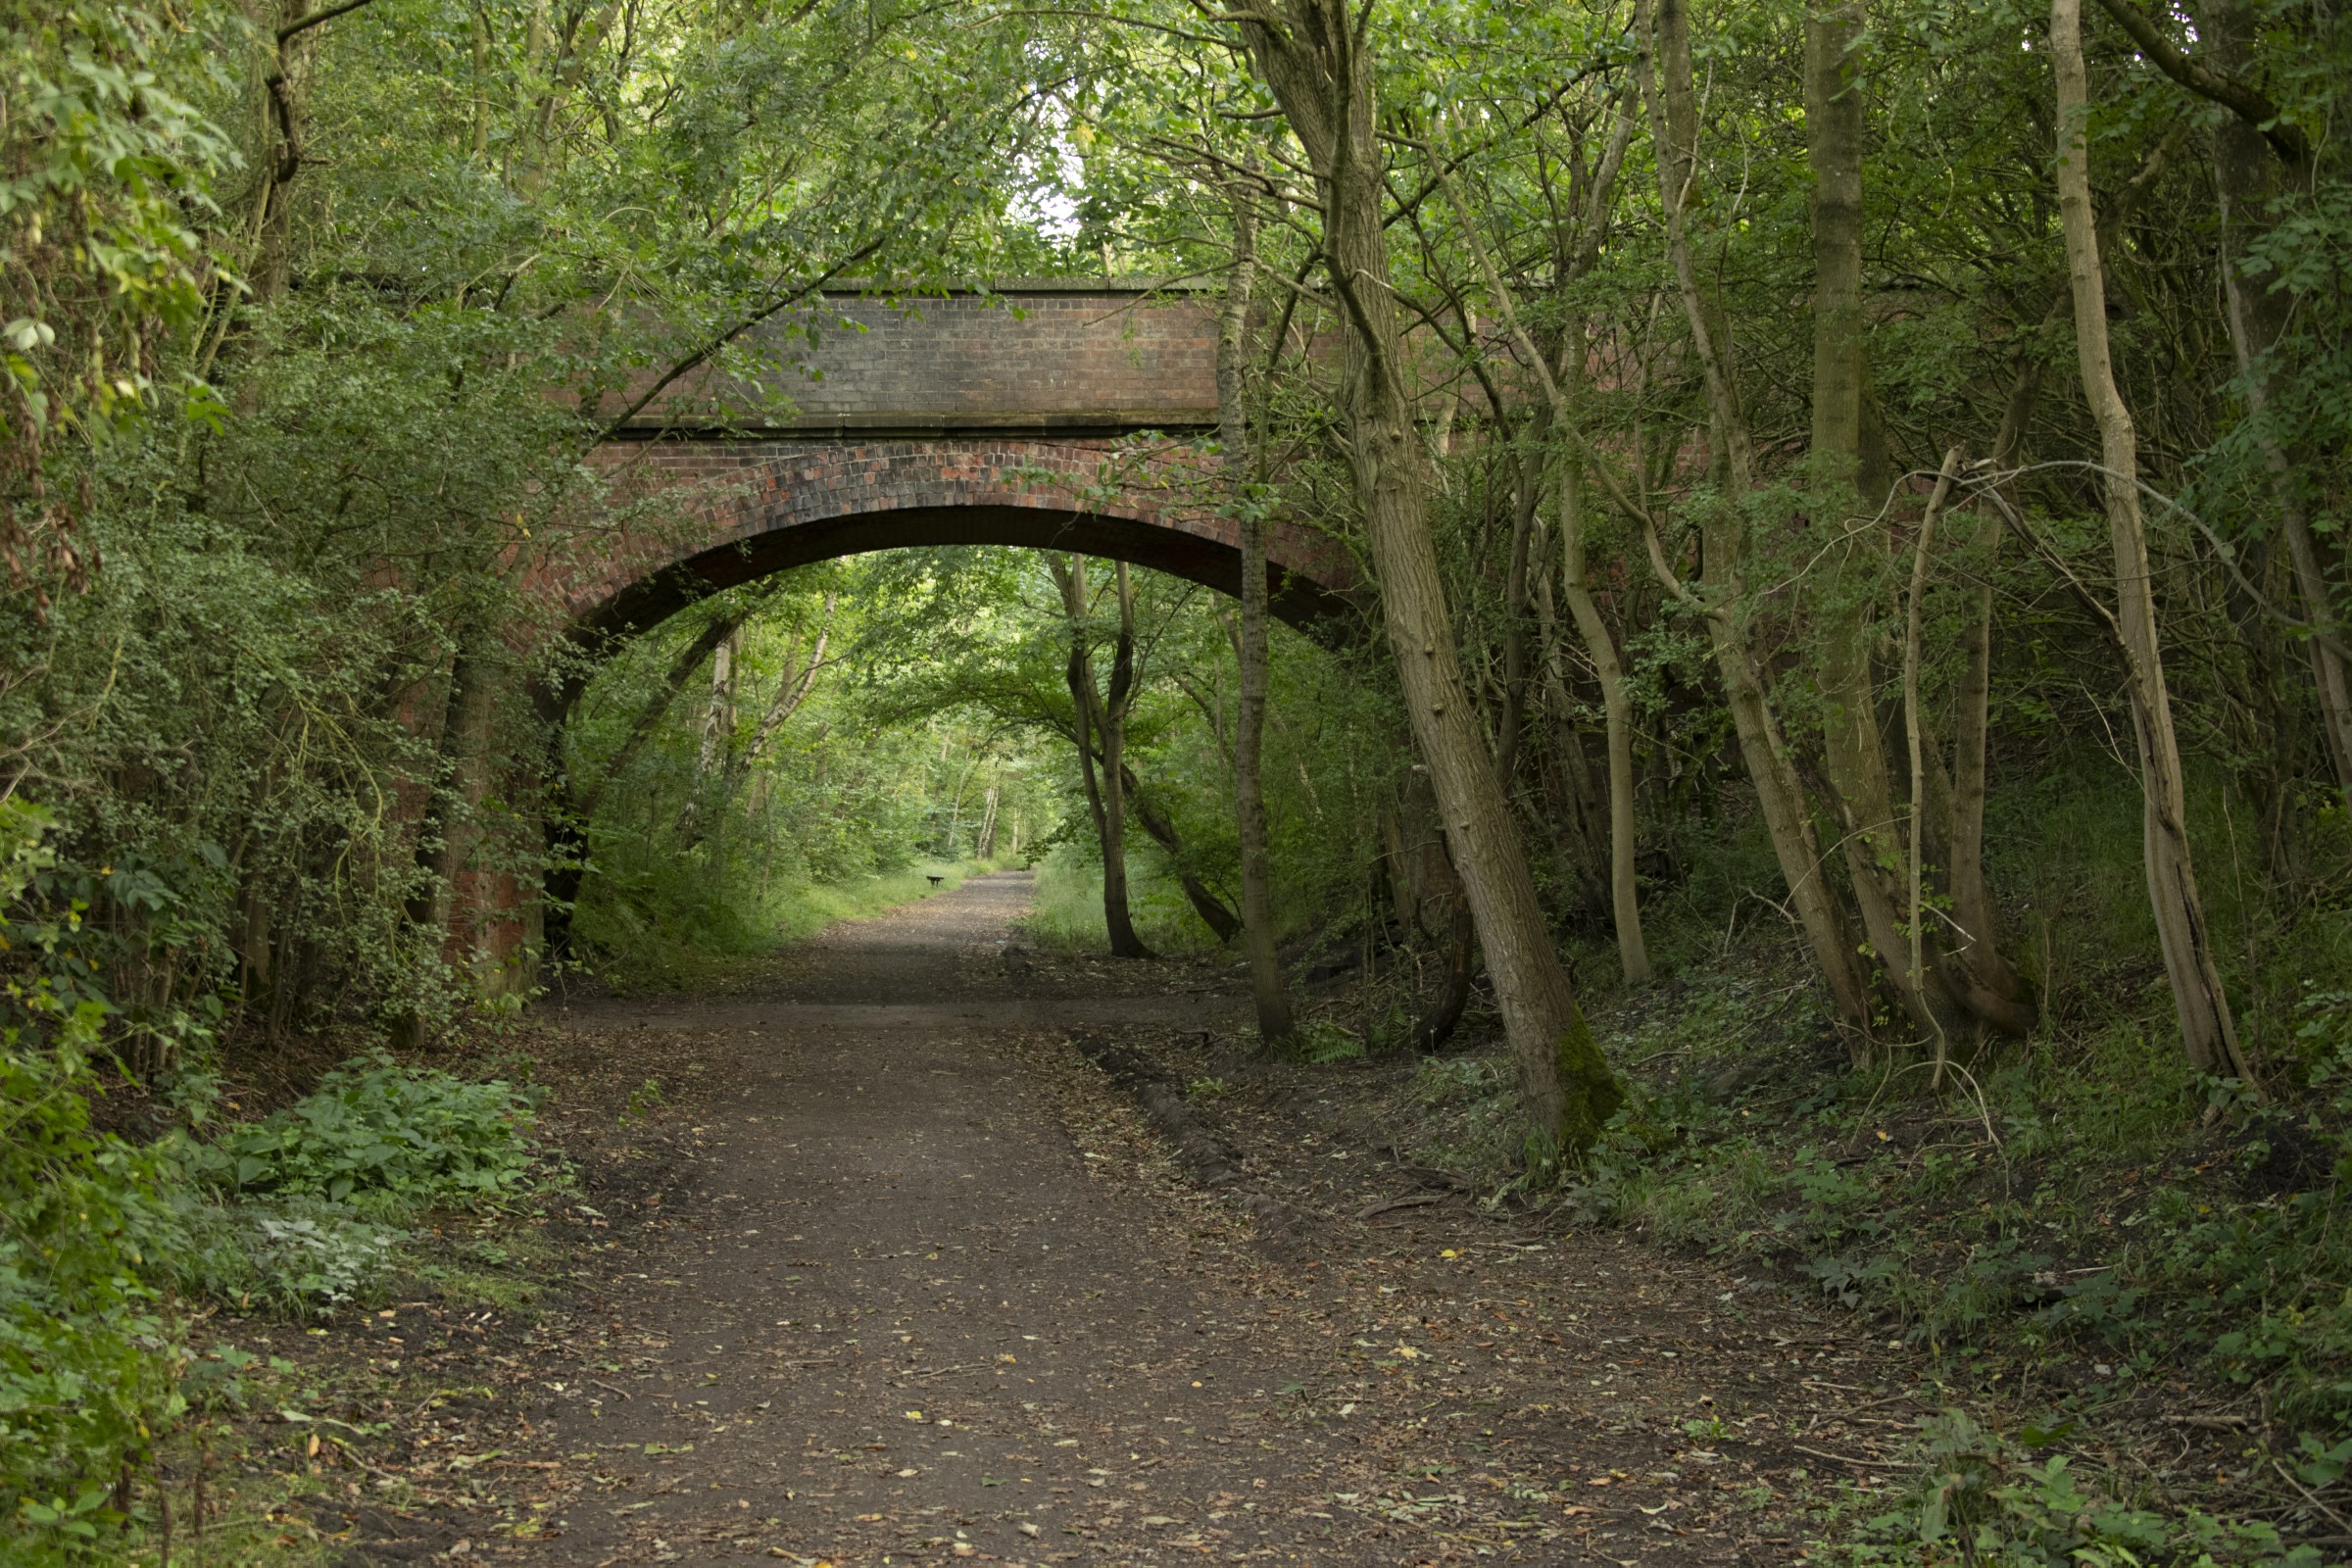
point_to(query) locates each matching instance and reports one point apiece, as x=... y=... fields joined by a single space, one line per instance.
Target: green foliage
x=1066 y=913
x=644 y=1100
x=1991 y=1501
x=407 y=1133
x=107 y=165
x=300 y=1256
x=1323 y=1042
x=727 y=816
x=2120 y=1244
x=87 y=1348
x=667 y=934
x=316 y=373
x=86 y=1345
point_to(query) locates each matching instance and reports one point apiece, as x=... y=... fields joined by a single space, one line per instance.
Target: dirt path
x=918 y=1282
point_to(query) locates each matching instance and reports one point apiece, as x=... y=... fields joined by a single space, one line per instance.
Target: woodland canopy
x=1850 y=502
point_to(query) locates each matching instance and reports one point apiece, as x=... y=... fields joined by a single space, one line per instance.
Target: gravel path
x=915 y=1281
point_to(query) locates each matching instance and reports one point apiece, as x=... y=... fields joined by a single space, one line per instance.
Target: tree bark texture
x=1106 y=796
x=1856 y=553
x=1315 y=59
x=1275 y=1021
x=2208 y=1034
x=1617 y=705
x=1673 y=105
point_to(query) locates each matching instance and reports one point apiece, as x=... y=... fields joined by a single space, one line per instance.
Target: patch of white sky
x=1052 y=179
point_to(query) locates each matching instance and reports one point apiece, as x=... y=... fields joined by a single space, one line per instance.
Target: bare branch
x=294 y=28
x=2241 y=98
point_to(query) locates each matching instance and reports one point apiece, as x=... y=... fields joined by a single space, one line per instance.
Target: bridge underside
x=1295 y=599
x=1054 y=414
x=746 y=510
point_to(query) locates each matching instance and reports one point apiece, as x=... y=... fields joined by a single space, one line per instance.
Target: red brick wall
x=1047 y=357
x=739 y=509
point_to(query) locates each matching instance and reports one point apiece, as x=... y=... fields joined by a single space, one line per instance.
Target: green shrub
x=1324 y=1043
x=381 y=1128
x=1985 y=1499
x=86 y=1353
x=303 y=1256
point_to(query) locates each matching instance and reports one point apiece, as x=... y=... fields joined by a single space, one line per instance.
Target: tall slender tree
x=1316 y=59
x=2208 y=1032
x=1245 y=492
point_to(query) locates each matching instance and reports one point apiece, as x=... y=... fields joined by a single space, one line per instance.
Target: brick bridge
x=1058 y=415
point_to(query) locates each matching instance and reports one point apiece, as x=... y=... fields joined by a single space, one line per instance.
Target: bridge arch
x=1051 y=413
x=753 y=509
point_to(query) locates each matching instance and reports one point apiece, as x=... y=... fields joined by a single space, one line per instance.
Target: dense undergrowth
x=2089 y=1243
x=114 y=1241
x=114 y=1252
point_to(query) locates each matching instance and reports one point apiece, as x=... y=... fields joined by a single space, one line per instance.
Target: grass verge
x=646 y=943
x=2135 y=1283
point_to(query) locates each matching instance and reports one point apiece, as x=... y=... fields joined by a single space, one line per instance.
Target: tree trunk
x=1512 y=716
x=1318 y=69
x=708 y=793
x=1275 y=1022
x=1115 y=708
x=1788 y=814
x=2246 y=177
x=1856 y=560
x=673 y=681
x=467 y=743
x=1434 y=1027
x=984 y=848
x=792 y=687
x=1957 y=809
x=287 y=87
x=1600 y=645
x=718 y=714
x=1104 y=797
x=1433 y=902
x=1578 y=816
x=2208 y=1034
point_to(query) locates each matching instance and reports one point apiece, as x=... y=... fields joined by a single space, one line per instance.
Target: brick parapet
x=1113 y=356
